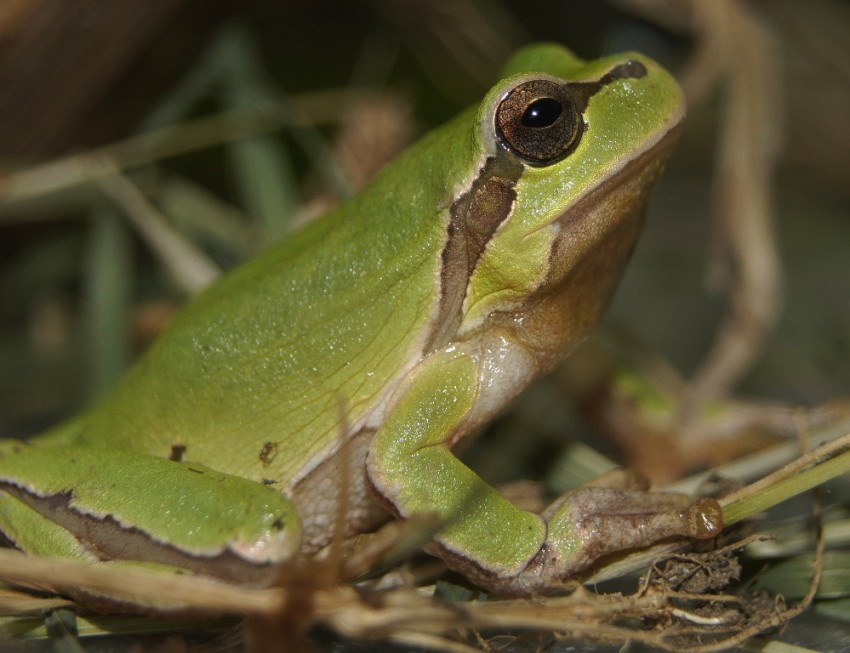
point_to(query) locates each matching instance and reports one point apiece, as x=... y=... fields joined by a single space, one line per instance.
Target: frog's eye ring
x=539 y=122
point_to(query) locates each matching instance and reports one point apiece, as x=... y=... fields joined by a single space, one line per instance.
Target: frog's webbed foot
x=594 y=521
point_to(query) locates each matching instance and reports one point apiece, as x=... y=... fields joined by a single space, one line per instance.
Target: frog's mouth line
x=611 y=205
x=592 y=244
x=656 y=150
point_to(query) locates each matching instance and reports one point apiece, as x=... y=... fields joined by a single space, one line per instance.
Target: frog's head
x=569 y=153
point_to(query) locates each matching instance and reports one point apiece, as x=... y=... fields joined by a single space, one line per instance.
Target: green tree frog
x=378 y=337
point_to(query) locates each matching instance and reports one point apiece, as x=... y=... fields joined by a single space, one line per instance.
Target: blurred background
x=146 y=147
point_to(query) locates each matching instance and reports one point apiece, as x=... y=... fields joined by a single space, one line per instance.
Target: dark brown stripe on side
x=474 y=218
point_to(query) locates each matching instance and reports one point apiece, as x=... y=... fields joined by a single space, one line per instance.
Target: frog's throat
x=589 y=251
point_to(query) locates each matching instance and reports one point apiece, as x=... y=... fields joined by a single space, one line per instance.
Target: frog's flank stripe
x=474 y=218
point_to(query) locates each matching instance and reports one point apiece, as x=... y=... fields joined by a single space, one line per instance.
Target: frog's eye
x=539 y=122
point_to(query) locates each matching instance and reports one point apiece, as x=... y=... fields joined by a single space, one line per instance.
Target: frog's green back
x=265 y=360
x=252 y=377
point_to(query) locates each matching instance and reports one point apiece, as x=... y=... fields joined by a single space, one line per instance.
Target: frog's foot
x=592 y=522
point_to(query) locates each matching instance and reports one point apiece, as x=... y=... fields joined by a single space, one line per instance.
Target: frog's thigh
x=92 y=503
x=412 y=469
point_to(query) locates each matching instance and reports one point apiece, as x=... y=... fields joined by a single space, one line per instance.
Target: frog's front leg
x=491 y=541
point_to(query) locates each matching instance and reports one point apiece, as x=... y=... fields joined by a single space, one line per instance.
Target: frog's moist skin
x=497 y=340
x=516 y=340
x=351 y=356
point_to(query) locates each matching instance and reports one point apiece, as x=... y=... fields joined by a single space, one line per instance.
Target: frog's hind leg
x=100 y=504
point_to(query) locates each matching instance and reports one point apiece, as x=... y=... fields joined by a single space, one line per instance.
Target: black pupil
x=542 y=113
